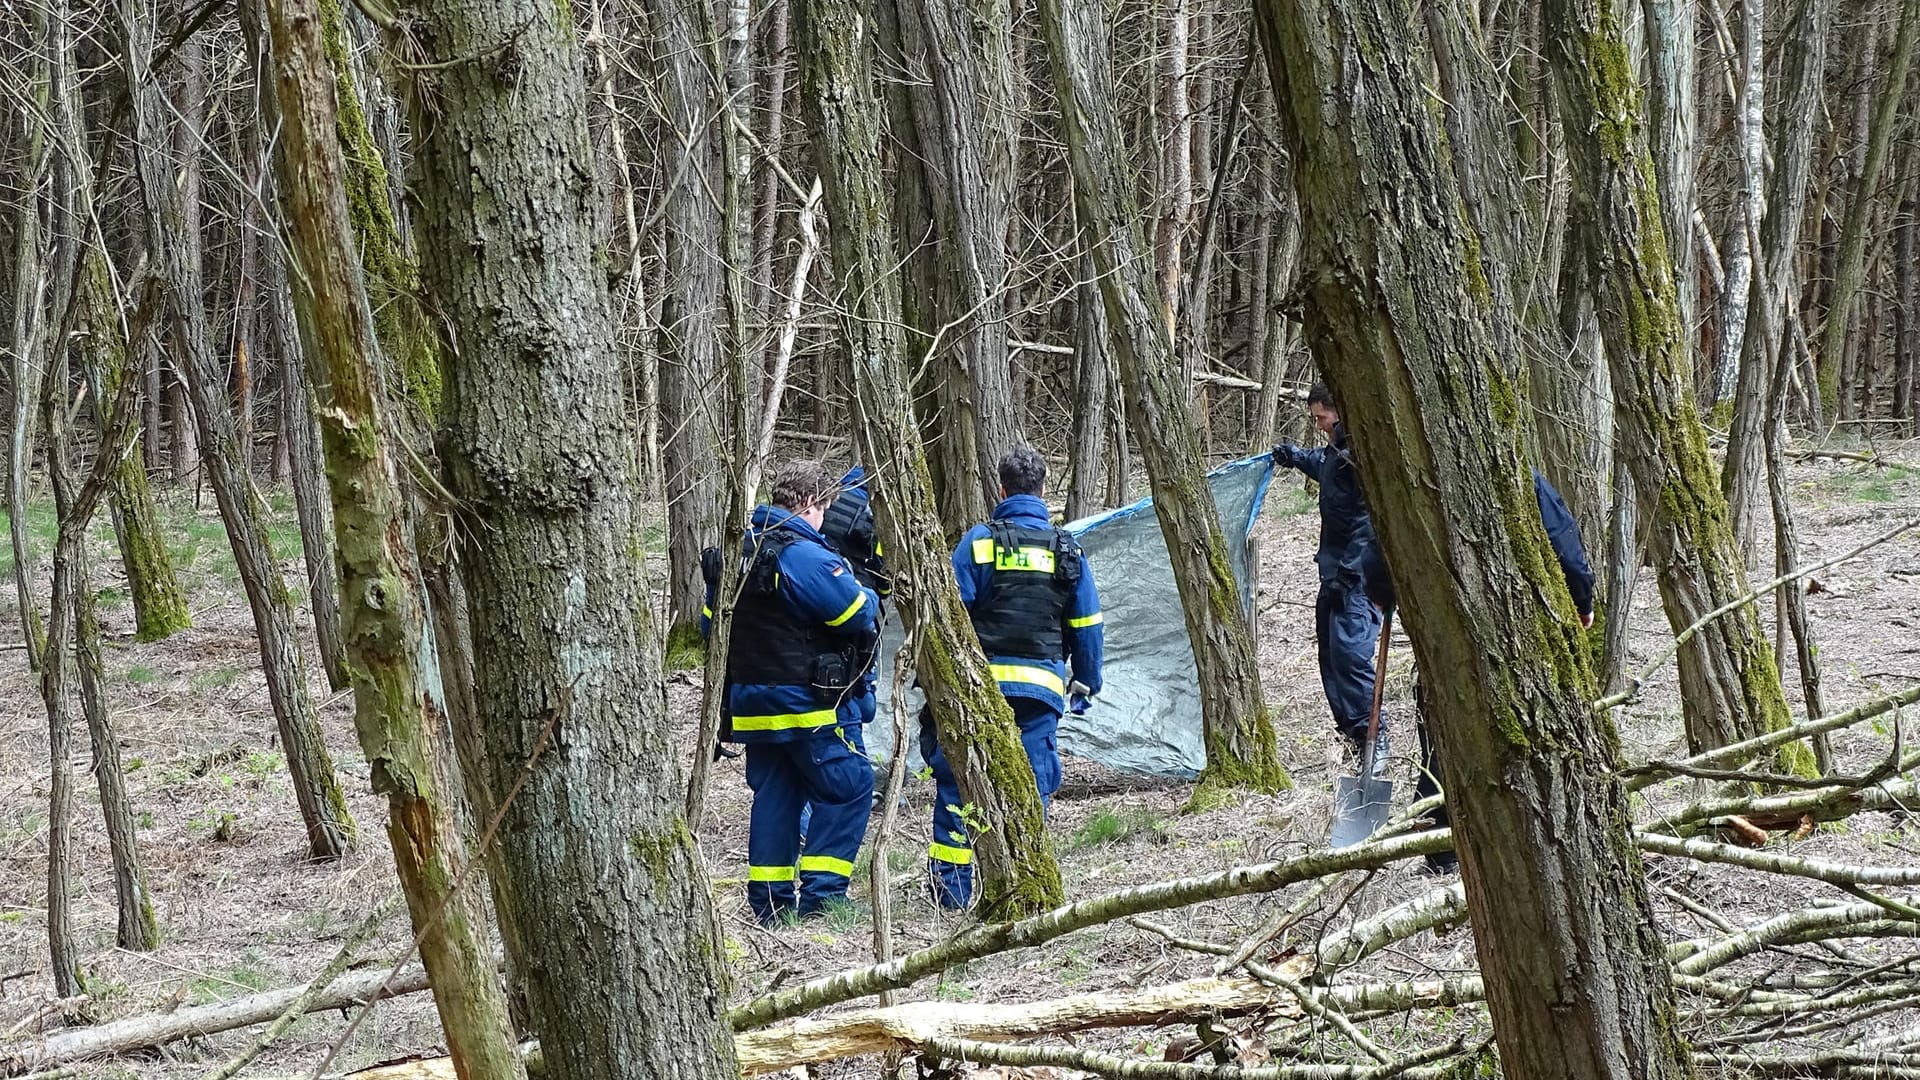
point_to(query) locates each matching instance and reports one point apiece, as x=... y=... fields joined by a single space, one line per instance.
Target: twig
x=466 y=874
x=1120 y=1068
x=298 y=1007
x=1680 y=639
x=1833 y=873
x=992 y=938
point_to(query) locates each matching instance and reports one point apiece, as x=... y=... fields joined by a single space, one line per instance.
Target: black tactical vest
x=848 y=529
x=773 y=644
x=1035 y=572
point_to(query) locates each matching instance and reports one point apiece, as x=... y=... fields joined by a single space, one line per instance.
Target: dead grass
x=249 y=911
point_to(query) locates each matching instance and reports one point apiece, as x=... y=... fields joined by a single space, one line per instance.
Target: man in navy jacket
x=799 y=692
x=1346 y=626
x=1037 y=612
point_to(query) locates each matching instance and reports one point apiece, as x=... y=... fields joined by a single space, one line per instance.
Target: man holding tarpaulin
x=1346 y=625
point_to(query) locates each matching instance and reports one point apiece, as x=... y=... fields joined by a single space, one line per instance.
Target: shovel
x=1361 y=804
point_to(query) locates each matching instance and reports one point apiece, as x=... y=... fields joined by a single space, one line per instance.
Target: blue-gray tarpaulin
x=1147 y=716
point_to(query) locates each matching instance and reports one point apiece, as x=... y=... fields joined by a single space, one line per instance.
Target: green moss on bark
x=685 y=647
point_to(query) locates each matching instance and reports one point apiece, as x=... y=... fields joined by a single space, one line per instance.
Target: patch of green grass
x=1294 y=502
x=262 y=764
x=1111 y=827
x=142 y=675
x=248 y=978
x=215 y=678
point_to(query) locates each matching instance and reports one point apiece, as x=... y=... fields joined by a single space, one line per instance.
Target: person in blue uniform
x=798 y=695
x=1346 y=625
x=1036 y=610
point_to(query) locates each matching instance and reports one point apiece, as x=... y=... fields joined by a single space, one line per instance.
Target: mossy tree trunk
x=159 y=603
x=1729 y=682
x=106 y=347
x=601 y=887
x=1241 y=751
x=965 y=114
x=1418 y=339
x=690 y=312
x=975 y=725
x=323 y=807
x=397 y=710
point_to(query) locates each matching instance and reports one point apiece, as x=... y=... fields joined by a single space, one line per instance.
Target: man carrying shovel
x=1346 y=624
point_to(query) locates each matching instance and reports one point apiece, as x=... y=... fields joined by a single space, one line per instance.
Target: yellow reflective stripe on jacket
x=770 y=873
x=707 y=611
x=1085 y=621
x=859 y=602
x=1037 y=559
x=1020 y=673
x=826 y=863
x=947 y=853
x=983 y=550
x=786 y=721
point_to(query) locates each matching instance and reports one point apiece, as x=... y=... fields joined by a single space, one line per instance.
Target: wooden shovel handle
x=1379 y=693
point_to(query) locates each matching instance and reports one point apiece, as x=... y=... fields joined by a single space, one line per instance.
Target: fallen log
x=141 y=1032
x=906 y=1027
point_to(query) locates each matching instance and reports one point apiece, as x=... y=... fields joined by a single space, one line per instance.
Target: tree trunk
x=1411 y=327
x=1804 y=37
x=159 y=603
x=1175 y=142
x=1850 y=264
x=967 y=119
x=1741 y=256
x=1091 y=369
x=322 y=806
x=1786 y=559
x=974 y=723
x=1730 y=686
x=1241 y=751
x=397 y=708
x=602 y=894
x=690 y=316
x=189 y=113
x=1906 y=311
x=146 y=556
x=65 y=954
x=29 y=297
x=1277 y=228
x=1672 y=123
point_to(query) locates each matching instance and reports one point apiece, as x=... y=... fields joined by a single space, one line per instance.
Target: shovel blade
x=1360 y=806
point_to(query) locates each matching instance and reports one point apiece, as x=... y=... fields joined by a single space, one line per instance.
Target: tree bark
x=107 y=349
x=1730 y=686
x=974 y=723
x=967 y=118
x=690 y=314
x=1091 y=370
x=1803 y=70
x=323 y=807
x=1241 y=750
x=1418 y=341
x=29 y=295
x=1742 y=255
x=189 y=113
x=1850 y=264
x=1672 y=123
x=159 y=603
x=602 y=893
x=1906 y=312
x=397 y=710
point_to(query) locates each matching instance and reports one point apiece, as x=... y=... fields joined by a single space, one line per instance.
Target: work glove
x=1285 y=455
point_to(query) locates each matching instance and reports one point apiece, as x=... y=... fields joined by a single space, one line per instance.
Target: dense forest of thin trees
x=519 y=300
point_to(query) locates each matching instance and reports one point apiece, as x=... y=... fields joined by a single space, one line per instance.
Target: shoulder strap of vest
x=761 y=566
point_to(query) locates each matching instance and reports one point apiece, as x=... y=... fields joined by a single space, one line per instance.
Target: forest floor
x=242 y=909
